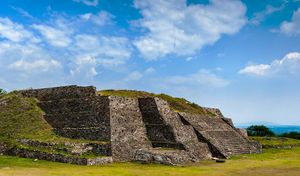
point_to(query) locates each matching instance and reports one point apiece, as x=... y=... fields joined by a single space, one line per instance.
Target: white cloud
x=260 y=69
x=108 y=51
x=13 y=31
x=291 y=27
x=54 y=36
x=289 y=64
x=150 y=70
x=189 y=59
x=27 y=57
x=175 y=28
x=100 y=19
x=134 y=76
x=63 y=49
x=269 y=10
x=11 y=51
x=202 y=78
x=36 y=65
x=22 y=12
x=85 y=65
x=88 y=2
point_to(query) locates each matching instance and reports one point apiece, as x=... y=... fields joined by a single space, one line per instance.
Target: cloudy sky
x=241 y=56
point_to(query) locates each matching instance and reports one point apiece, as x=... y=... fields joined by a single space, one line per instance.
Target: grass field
x=273 y=142
x=273 y=162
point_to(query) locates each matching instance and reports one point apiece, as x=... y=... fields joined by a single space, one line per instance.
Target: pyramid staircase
x=76 y=113
x=159 y=133
x=223 y=139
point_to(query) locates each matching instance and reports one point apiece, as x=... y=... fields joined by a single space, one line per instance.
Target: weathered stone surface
x=58 y=157
x=215 y=111
x=128 y=131
x=159 y=132
x=74 y=112
x=3 y=148
x=228 y=121
x=71 y=148
x=169 y=157
x=174 y=133
x=243 y=132
x=137 y=129
x=99 y=161
x=64 y=92
x=92 y=133
x=223 y=139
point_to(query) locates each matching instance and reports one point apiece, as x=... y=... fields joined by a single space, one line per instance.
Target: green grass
x=275 y=162
x=271 y=142
x=176 y=104
x=21 y=118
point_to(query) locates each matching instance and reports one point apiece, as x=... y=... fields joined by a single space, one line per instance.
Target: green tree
x=293 y=134
x=259 y=130
x=2 y=92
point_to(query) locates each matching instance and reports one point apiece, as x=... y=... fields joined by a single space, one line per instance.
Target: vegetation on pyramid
x=176 y=104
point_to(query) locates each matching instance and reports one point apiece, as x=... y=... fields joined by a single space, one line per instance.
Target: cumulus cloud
x=173 y=27
x=22 y=12
x=269 y=10
x=202 y=78
x=291 y=27
x=13 y=31
x=134 y=76
x=108 y=51
x=85 y=65
x=60 y=44
x=260 y=69
x=100 y=19
x=289 y=64
x=54 y=36
x=26 y=57
x=88 y=2
x=41 y=65
x=150 y=70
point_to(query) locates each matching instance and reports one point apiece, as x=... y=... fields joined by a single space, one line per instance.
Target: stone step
x=152 y=117
x=76 y=119
x=60 y=92
x=90 y=133
x=228 y=142
x=94 y=104
x=58 y=157
x=163 y=144
x=71 y=148
x=169 y=157
x=159 y=132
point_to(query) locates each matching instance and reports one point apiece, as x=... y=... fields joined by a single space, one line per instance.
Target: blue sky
x=240 y=56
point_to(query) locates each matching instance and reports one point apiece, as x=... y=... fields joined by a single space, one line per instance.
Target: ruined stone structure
x=137 y=129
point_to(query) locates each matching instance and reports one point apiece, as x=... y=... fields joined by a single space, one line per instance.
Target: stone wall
x=3 y=148
x=58 y=157
x=103 y=149
x=128 y=132
x=74 y=112
x=63 y=92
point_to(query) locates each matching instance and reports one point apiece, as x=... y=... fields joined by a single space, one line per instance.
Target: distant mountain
x=276 y=128
x=247 y=124
x=284 y=129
